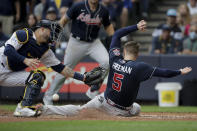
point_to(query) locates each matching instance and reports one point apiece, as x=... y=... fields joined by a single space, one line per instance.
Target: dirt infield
x=6 y=116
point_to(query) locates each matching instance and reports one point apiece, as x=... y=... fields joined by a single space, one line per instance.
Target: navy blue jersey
x=125 y=75
x=66 y=3
x=85 y=23
x=29 y=49
x=125 y=78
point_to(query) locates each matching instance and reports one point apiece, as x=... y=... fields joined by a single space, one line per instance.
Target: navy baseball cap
x=51 y=10
x=166 y=27
x=171 y=12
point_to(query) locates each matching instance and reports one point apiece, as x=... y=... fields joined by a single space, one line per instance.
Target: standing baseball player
x=27 y=48
x=124 y=79
x=87 y=18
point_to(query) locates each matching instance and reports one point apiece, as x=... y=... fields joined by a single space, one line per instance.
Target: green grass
x=8 y=107
x=86 y=125
x=101 y=125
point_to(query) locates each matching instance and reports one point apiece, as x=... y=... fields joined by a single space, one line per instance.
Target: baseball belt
x=82 y=39
x=110 y=102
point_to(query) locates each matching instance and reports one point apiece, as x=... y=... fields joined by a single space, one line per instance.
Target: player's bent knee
x=33 y=87
x=38 y=78
x=37 y=81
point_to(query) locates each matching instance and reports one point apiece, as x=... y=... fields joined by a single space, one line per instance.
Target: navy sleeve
x=12 y=54
x=58 y=68
x=145 y=71
x=161 y=72
x=22 y=36
x=120 y=33
x=106 y=20
x=114 y=51
x=71 y=13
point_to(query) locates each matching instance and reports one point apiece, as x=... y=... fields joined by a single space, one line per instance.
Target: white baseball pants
x=99 y=102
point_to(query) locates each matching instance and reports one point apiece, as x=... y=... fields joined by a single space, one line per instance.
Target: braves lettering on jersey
x=85 y=23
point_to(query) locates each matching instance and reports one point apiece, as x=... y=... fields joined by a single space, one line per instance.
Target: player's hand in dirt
x=185 y=70
x=142 y=25
x=32 y=63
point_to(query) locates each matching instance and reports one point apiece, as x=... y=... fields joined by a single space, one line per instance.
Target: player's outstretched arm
x=125 y=31
x=162 y=72
x=90 y=78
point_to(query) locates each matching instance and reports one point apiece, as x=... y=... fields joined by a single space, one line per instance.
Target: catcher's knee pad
x=33 y=87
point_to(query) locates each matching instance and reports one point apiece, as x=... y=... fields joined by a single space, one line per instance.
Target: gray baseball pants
x=75 y=51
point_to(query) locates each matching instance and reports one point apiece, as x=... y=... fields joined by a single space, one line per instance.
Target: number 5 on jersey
x=117 y=83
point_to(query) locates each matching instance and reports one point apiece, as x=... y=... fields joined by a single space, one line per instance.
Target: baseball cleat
x=32 y=111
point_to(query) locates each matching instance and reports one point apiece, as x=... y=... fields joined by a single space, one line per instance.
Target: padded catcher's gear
x=33 y=87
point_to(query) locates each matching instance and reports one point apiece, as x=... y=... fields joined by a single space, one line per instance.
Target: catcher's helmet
x=43 y=23
x=53 y=26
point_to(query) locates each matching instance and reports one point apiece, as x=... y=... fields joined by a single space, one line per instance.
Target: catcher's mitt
x=94 y=77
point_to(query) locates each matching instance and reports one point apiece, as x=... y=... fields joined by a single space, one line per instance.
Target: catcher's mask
x=53 y=26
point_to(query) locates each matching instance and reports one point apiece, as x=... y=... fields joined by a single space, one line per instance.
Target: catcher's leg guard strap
x=33 y=87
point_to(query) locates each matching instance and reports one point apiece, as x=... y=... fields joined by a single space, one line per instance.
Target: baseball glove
x=94 y=77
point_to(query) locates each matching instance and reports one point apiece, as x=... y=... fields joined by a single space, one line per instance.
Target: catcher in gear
x=28 y=48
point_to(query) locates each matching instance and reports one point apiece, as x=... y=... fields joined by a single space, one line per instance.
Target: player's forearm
x=11 y=53
x=161 y=72
x=68 y=72
x=63 y=21
x=110 y=30
x=120 y=33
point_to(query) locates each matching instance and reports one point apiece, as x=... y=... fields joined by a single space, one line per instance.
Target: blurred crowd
x=17 y=14
x=178 y=35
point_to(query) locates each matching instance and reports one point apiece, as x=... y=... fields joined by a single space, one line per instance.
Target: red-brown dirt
x=90 y=114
